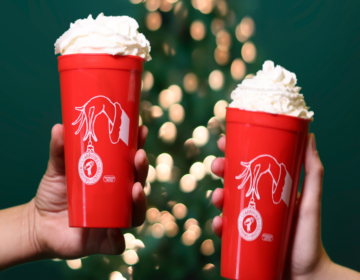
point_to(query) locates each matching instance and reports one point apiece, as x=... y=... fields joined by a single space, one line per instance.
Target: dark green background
x=318 y=40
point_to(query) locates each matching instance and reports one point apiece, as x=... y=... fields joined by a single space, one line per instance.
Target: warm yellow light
x=166 y=98
x=207 y=163
x=166 y=217
x=171 y=229
x=190 y=148
x=221 y=57
x=198 y=170
x=166 y=159
x=188 y=183
x=129 y=239
x=148 y=81
x=74 y=264
x=207 y=247
x=172 y=1
x=190 y=222
x=223 y=40
x=152 y=215
x=168 y=132
x=241 y=37
x=140 y=121
x=179 y=211
x=176 y=113
x=190 y=82
x=176 y=93
x=147 y=189
x=156 y=112
x=217 y=24
x=165 y=6
x=130 y=257
x=151 y=177
x=208 y=193
x=248 y=52
x=220 y=109
x=116 y=275
x=152 y=5
x=188 y=238
x=216 y=80
x=135 y=1
x=198 y=30
x=204 y=6
x=195 y=229
x=208 y=267
x=153 y=21
x=214 y=125
x=138 y=243
x=157 y=230
x=247 y=26
x=249 y=76
x=163 y=172
x=238 y=69
x=201 y=136
x=222 y=7
x=180 y=10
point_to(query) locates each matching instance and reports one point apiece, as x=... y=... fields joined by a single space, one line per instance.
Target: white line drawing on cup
x=118 y=125
x=281 y=189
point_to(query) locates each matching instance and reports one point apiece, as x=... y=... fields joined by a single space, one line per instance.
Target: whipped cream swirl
x=113 y=35
x=272 y=90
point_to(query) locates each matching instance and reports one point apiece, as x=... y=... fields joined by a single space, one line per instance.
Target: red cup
x=100 y=97
x=263 y=158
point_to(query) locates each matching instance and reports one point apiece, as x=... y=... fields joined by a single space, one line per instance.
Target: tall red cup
x=100 y=97
x=263 y=158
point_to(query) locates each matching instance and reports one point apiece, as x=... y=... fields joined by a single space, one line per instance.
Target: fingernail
x=313 y=142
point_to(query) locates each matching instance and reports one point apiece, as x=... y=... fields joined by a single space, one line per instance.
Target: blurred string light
x=171 y=229
x=129 y=239
x=188 y=238
x=165 y=6
x=220 y=109
x=245 y=29
x=168 y=132
x=168 y=50
x=148 y=81
x=169 y=96
x=152 y=215
x=188 y=183
x=151 y=177
x=207 y=247
x=180 y=10
x=204 y=6
x=163 y=172
x=74 y=264
x=147 y=189
x=221 y=7
x=200 y=136
x=176 y=113
x=198 y=170
x=208 y=193
x=153 y=21
x=198 y=30
x=214 y=126
x=190 y=148
x=116 y=275
x=179 y=211
x=208 y=267
x=156 y=112
x=152 y=5
x=249 y=76
x=221 y=57
x=190 y=82
x=190 y=222
x=238 y=69
x=140 y=121
x=136 y=1
x=157 y=230
x=207 y=163
x=195 y=229
x=172 y=1
x=217 y=24
x=166 y=217
x=248 y=52
x=130 y=257
x=165 y=159
x=223 y=40
x=216 y=80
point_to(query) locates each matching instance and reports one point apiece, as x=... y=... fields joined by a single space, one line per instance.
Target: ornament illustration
x=281 y=188
x=118 y=124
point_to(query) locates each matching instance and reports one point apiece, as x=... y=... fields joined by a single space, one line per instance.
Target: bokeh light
x=222 y=7
x=207 y=247
x=223 y=40
x=176 y=93
x=247 y=26
x=198 y=30
x=156 y=112
x=176 y=113
x=157 y=230
x=198 y=170
x=165 y=159
x=249 y=76
x=163 y=172
x=172 y=1
x=140 y=121
x=168 y=132
x=208 y=267
x=148 y=81
x=208 y=193
x=153 y=21
x=168 y=50
x=207 y=163
x=135 y=1
x=74 y=264
x=188 y=183
x=180 y=10
x=188 y=238
x=116 y=275
x=204 y=6
x=217 y=24
x=190 y=222
x=201 y=136
x=248 y=52
x=152 y=215
x=214 y=126
x=166 y=217
x=147 y=189
x=171 y=229
x=165 y=6
x=152 y=5
x=179 y=211
x=220 y=109
x=130 y=257
x=190 y=82
x=216 y=80
x=129 y=239
x=238 y=69
x=190 y=148
x=195 y=229
x=221 y=57
x=151 y=177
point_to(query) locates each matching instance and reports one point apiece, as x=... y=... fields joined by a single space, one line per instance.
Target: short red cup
x=263 y=158
x=100 y=97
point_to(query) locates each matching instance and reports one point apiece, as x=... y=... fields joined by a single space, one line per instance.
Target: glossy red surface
x=100 y=97
x=263 y=158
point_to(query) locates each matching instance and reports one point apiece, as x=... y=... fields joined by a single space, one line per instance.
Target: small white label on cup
x=267 y=237
x=109 y=179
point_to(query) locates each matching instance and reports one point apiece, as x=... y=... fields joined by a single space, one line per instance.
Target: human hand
x=306 y=256
x=50 y=233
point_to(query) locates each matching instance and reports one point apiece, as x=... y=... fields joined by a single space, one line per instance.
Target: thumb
x=56 y=165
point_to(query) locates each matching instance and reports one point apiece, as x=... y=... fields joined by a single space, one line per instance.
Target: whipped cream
x=272 y=90
x=112 y=35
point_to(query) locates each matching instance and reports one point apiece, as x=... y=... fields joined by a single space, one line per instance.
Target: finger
x=56 y=163
x=142 y=134
x=141 y=167
x=217 y=167
x=117 y=241
x=217 y=226
x=221 y=143
x=139 y=205
x=218 y=198
x=310 y=201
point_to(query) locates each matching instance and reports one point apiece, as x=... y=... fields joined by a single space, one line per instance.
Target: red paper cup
x=263 y=158
x=100 y=97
